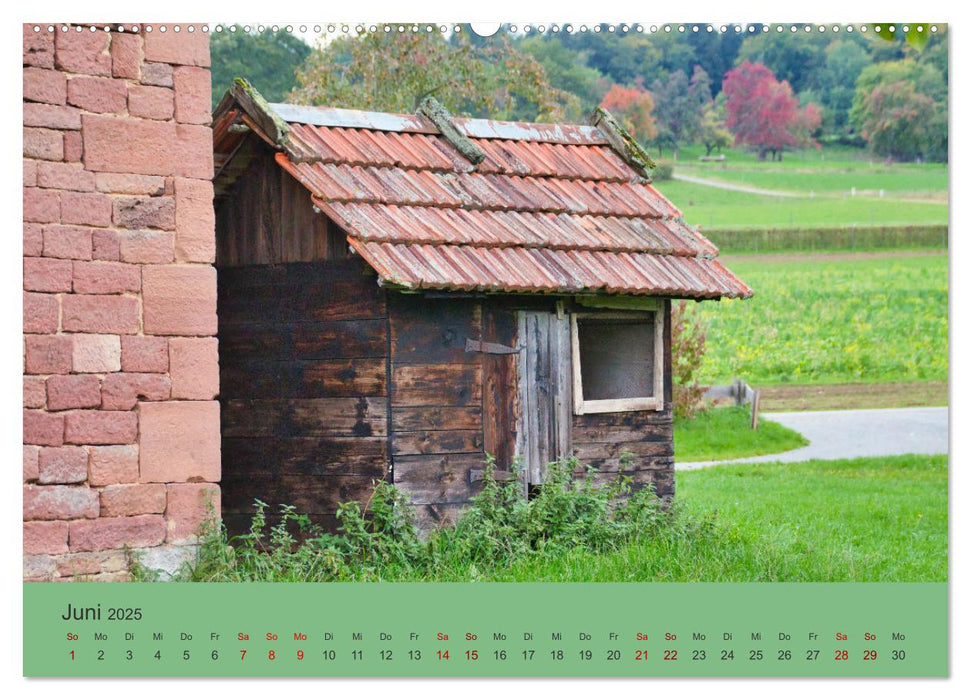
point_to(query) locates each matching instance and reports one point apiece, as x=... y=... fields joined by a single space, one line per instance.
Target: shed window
x=618 y=362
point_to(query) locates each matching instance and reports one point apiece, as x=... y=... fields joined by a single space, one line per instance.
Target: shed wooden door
x=545 y=391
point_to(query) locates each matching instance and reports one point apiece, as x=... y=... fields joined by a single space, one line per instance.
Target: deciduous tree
x=267 y=59
x=634 y=106
x=393 y=70
x=762 y=112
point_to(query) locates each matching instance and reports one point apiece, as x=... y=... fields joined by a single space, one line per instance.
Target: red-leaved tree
x=634 y=106
x=763 y=113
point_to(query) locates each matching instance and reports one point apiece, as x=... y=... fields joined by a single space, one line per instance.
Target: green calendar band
x=405 y=629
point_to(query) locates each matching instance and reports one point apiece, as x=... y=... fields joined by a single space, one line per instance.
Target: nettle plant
x=379 y=539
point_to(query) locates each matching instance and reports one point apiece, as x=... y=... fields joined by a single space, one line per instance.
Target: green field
x=726 y=433
x=815 y=320
x=821 y=182
x=879 y=519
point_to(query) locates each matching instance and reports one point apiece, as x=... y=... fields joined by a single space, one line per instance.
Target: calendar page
x=546 y=349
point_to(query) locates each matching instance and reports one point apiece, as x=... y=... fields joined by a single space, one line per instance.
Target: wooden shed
x=401 y=295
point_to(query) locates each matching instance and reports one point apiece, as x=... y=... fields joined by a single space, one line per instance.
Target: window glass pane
x=616 y=358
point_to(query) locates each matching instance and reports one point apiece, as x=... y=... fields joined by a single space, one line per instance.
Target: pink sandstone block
x=88 y=208
x=47 y=86
x=41 y=313
x=113 y=464
x=195 y=221
x=65 y=176
x=45 y=537
x=144 y=354
x=179 y=441
x=144 y=212
x=35 y=392
x=38 y=47
x=158 y=74
x=31 y=462
x=60 y=502
x=194 y=368
x=41 y=206
x=101 y=277
x=83 y=52
x=101 y=95
x=146 y=147
x=47 y=116
x=73 y=147
x=114 y=533
x=48 y=275
x=150 y=102
x=48 y=354
x=146 y=247
x=95 y=313
x=124 y=183
x=180 y=48
x=45 y=144
x=189 y=506
x=121 y=391
x=126 y=55
x=62 y=465
x=43 y=428
x=96 y=353
x=101 y=427
x=33 y=240
x=73 y=391
x=68 y=242
x=179 y=299
x=132 y=499
x=105 y=245
x=193 y=95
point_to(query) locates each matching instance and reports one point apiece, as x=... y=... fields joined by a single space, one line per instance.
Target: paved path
x=865 y=433
x=733 y=187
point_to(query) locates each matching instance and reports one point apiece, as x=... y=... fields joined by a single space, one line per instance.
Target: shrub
x=663 y=171
x=379 y=540
x=688 y=335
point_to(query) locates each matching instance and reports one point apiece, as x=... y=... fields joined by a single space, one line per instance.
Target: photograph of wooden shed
x=401 y=295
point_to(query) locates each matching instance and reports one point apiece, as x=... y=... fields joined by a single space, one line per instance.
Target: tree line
x=764 y=90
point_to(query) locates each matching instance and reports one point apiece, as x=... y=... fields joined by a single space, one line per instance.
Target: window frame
x=639 y=403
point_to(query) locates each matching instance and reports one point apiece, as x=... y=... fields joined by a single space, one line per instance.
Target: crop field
x=831 y=319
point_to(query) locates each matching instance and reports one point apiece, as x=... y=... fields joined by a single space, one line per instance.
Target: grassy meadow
x=726 y=433
x=820 y=184
x=875 y=519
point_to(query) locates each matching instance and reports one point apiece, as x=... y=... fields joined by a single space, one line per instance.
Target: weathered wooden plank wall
x=646 y=437
x=267 y=217
x=303 y=375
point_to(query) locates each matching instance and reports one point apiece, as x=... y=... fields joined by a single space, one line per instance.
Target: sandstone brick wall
x=121 y=425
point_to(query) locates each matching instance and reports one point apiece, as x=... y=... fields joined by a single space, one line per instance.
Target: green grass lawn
x=823 y=321
x=880 y=519
x=711 y=208
x=726 y=433
x=915 y=193
x=876 y=519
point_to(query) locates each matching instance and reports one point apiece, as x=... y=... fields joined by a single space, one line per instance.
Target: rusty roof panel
x=542 y=270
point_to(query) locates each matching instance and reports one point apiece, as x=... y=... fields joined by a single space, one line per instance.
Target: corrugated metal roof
x=552 y=208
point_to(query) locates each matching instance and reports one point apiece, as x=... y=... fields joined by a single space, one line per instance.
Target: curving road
x=862 y=433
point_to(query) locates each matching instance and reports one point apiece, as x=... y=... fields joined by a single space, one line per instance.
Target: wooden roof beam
x=623 y=142
x=442 y=118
